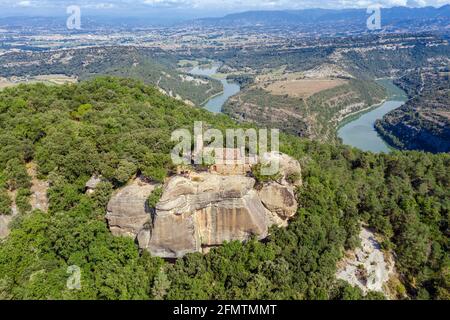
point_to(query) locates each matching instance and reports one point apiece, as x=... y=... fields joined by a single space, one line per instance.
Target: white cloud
x=24 y=3
x=416 y=3
x=101 y=5
x=217 y=5
x=290 y=4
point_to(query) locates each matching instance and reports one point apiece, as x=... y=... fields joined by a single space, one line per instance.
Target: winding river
x=230 y=88
x=358 y=131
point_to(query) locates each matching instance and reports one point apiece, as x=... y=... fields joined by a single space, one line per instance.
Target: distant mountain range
x=397 y=17
x=308 y=20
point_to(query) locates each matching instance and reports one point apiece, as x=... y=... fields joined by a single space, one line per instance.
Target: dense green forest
x=118 y=127
x=152 y=66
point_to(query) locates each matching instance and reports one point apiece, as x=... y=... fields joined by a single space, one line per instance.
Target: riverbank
x=355 y=115
x=216 y=102
x=212 y=97
x=358 y=130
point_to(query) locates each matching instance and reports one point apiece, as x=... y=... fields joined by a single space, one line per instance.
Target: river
x=357 y=131
x=230 y=88
x=361 y=133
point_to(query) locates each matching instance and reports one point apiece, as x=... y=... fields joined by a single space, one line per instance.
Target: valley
x=307 y=86
x=230 y=88
x=423 y=123
x=104 y=170
x=359 y=130
x=124 y=138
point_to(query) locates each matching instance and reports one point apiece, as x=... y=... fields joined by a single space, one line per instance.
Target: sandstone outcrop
x=38 y=200
x=289 y=169
x=92 y=184
x=128 y=211
x=279 y=199
x=198 y=211
x=204 y=210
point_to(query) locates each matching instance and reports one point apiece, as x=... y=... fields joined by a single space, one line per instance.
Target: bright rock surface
x=367 y=267
x=198 y=211
x=128 y=211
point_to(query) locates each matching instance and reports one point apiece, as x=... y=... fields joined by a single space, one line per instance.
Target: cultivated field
x=302 y=88
x=48 y=79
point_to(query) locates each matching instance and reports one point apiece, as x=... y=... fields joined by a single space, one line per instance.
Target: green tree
x=5 y=203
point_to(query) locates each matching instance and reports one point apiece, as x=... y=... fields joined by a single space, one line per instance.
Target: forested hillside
x=315 y=117
x=379 y=61
x=152 y=66
x=423 y=123
x=365 y=57
x=120 y=127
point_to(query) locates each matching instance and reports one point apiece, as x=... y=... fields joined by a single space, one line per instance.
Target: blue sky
x=191 y=7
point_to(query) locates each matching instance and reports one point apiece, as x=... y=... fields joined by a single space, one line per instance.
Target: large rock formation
x=204 y=210
x=289 y=169
x=201 y=210
x=279 y=199
x=128 y=211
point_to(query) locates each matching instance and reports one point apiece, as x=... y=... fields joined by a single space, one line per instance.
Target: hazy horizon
x=187 y=9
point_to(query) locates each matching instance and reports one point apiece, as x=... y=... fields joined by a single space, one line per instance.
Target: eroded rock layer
x=201 y=210
x=128 y=211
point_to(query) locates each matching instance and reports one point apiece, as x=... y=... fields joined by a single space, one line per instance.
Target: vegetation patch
x=403 y=196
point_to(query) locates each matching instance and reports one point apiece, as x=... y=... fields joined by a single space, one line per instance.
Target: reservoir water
x=230 y=88
x=361 y=133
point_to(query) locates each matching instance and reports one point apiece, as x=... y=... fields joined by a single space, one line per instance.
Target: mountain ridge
x=396 y=15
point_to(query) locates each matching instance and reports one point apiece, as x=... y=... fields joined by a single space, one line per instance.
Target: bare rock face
x=204 y=210
x=290 y=170
x=39 y=188
x=279 y=199
x=368 y=267
x=38 y=200
x=92 y=184
x=128 y=211
x=198 y=211
x=4 y=226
